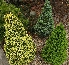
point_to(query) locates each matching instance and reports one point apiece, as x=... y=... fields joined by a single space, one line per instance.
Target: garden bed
x=60 y=14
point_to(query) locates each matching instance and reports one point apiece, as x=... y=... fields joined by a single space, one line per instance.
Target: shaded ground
x=60 y=14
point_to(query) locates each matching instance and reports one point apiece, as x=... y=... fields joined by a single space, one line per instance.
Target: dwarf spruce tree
x=54 y=51
x=45 y=22
x=19 y=47
x=6 y=8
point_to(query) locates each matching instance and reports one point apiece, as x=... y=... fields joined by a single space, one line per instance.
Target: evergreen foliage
x=6 y=8
x=45 y=22
x=54 y=51
x=19 y=47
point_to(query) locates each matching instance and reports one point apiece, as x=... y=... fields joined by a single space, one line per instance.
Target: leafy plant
x=44 y=25
x=6 y=8
x=19 y=47
x=54 y=51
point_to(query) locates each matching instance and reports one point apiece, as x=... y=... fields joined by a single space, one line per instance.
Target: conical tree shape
x=44 y=25
x=6 y=8
x=54 y=51
x=19 y=47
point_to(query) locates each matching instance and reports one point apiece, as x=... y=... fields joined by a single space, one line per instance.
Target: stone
x=1 y=52
x=32 y=13
x=1 y=62
x=3 y=59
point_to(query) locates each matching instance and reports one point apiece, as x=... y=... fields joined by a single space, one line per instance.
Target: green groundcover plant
x=44 y=25
x=54 y=50
x=19 y=47
x=6 y=8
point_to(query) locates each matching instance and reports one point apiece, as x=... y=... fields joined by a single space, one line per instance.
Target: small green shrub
x=45 y=22
x=54 y=51
x=19 y=46
x=6 y=8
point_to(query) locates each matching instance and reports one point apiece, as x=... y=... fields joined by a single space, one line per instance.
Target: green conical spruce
x=54 y=51
x=19 y=47
x=44 y=25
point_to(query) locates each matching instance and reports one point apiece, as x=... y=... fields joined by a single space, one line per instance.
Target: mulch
x=60 y=14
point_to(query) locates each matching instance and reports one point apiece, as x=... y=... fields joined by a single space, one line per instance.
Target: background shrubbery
x=19 y=46
x=44 y=25
x=54 y=51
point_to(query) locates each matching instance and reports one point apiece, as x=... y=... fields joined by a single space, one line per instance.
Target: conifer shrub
x=6 y=8
x=45 y=22
x=19 y=47
x=54 y=50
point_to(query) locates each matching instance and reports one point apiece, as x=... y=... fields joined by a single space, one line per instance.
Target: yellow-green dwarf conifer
x=6 y=8
x=19 y=47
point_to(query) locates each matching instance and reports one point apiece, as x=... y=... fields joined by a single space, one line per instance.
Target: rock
x=0 y=54
x=32 y=13
x=3 y=60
